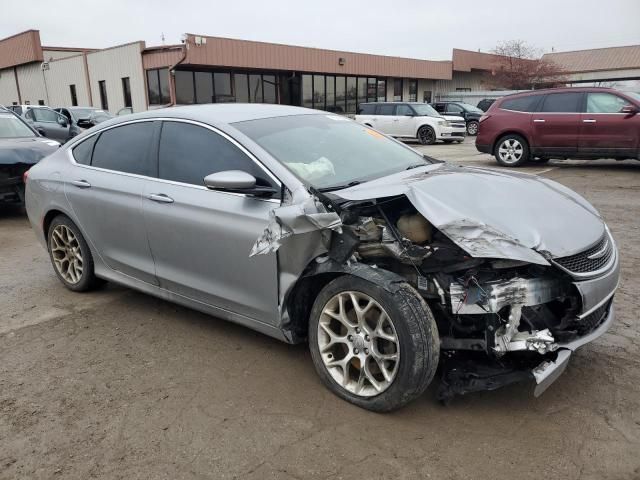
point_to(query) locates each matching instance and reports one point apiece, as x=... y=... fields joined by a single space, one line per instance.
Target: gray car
x=307 y=226
x=46 y=121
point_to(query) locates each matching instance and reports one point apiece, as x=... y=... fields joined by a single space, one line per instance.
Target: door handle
x=160 y=198
x=589 y=120
x=396 y=120
x=81 y=183
x=538 y=120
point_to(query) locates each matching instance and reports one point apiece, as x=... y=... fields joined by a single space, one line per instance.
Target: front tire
x=375 y=349
x=472 y=128
x=70 y=255
x=511 y=151
x=426 y=135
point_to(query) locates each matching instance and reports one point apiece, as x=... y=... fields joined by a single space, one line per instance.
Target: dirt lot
x=117 y=384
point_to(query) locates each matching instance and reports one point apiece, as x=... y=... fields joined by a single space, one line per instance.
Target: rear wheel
x=511 y=151
x=70 y=255
x=426 y=135
x=472 y=127
x=372 y=348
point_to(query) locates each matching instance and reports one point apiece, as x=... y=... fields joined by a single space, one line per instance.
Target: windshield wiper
x=340 y=187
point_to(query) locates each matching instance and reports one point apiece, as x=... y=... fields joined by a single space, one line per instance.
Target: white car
x=412 y=120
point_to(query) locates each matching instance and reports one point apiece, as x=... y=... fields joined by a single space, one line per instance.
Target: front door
x=105 y=190
x=200 y=238
x=52 y=124
x=604 y=130
x=383 y=119
x=556 y=125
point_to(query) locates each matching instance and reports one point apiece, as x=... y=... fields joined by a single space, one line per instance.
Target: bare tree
x=518 y=66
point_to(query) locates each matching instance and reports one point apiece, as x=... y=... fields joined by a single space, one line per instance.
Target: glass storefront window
x=397 y=90
x=341 y=94
x=269 y=88
x=372 y=90
x=352 y=92
x=184 y=87
x=362 y=91
x=255 y=89
x=222 y=87
x=307 y=91
x=318 y=92
x=241 y=88
x=204 y=87
x=330 y=87
x=382 y=90
x=413 y=90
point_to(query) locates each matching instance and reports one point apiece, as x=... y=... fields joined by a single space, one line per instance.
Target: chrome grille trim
x=591 y=262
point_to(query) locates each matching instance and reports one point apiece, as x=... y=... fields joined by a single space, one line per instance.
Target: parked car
x=470 y=113
x=485 y=103
x=410 y=120
x=46 y=121
x=587 y=123
x=21 y=147
x=81 y=118
x=307 y=226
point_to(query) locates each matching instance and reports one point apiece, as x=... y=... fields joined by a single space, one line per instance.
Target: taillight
x=484 y=117
x=25 y=175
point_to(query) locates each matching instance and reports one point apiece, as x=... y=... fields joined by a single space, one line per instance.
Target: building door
x=426 y=96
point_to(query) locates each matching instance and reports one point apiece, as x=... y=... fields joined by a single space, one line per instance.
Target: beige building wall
x=111 y=65
x=474 y=80
x=63 y=73
x=8 y=90
x=31 y=81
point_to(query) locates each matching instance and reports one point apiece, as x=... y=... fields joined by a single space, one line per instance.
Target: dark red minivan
x=585 y=122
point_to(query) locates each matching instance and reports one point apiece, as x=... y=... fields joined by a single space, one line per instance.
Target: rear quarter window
x=82 y=152
x=521 y=104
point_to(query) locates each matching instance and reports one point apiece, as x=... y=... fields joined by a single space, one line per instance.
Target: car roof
x=219 y=113
x=544 y=91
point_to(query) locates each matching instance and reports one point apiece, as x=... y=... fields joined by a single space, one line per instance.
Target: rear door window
x=367 y=109
x=521 y=104
x=188 y=153
x=562 y=103
x=604 y=103
x=125 y=149
x=385 y=109
x=403 y=111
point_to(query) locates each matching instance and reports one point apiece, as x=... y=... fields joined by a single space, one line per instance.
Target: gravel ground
x=117 y=384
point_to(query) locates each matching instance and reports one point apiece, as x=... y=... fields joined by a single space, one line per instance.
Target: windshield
x=329 y=151
x=425 y=109
x=96 y=115
x=471 y=108
x=12 y=127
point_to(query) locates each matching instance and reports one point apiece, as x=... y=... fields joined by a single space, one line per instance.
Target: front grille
x=589 y=260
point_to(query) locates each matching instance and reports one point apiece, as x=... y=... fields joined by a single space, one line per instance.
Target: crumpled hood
x=25 y=150
x=492 y=213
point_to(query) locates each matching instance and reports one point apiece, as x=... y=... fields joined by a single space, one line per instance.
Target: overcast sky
x=412 y=28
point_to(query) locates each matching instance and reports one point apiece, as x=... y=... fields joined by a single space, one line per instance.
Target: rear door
x=201 y=238
x=385 y=119
x=604 y=130
x=404 y=123
x=556 y=124
x=104 y=188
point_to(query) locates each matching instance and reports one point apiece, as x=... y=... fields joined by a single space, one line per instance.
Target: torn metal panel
x=506 y=214
x=297 y=218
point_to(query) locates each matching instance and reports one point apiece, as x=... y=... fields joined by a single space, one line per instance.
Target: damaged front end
x=505 y=312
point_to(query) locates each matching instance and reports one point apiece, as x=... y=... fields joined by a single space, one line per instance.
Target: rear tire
x=379 y=356
x=511 y=151
x=70 y=255
x=426 y=135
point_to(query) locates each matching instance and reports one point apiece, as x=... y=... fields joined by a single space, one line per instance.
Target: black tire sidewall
x=433 y=135
x=88 y=279
x=417 y=336
x=525 y=150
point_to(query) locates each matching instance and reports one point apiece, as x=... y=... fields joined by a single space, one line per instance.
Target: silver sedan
x=307 y=226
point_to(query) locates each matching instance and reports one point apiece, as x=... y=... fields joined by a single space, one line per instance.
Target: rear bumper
x=12 y=190
x=483 y=148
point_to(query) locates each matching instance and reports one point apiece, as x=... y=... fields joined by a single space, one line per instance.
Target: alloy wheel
x=510 y=151
x=427 y=136
x=66 y=254
x=358 y=343
x=472 y=128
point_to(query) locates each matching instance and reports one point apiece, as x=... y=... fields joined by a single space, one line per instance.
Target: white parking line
x=544 y=171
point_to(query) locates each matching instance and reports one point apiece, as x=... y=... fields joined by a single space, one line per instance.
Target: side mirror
x=84 y=123
x=629 y=109
x=236 y=181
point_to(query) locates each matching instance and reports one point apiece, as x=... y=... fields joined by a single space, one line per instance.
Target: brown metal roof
x=249 y=54
x=20 y=48
x=613 y=58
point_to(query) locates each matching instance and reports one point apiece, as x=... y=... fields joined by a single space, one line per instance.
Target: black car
x=485 y=103
x=21 y=147
x=470 y=113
